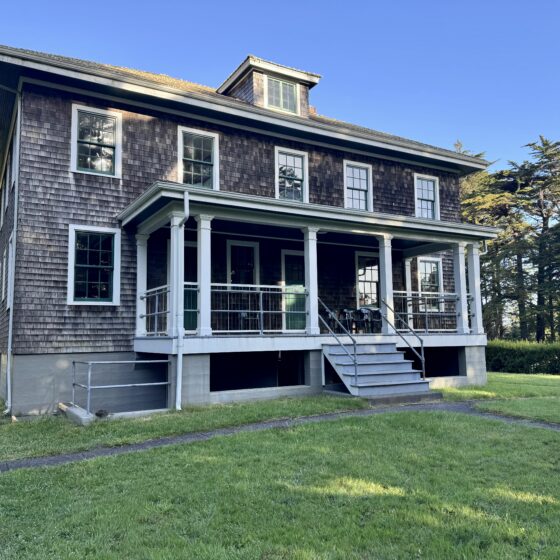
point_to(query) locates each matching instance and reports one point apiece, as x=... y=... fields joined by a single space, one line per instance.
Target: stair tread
x=377 y=362
x=387 y=372
x=365 y=352
x=390 y=384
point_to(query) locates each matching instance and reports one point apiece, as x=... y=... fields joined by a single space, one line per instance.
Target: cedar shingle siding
x=51 y=198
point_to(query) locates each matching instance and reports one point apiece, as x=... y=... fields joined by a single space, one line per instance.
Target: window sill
x=81 y=172
x=93 y=303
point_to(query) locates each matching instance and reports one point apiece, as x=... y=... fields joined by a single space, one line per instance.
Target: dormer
x=270 y=85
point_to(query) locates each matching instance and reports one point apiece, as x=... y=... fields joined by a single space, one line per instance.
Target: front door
x=293 y=301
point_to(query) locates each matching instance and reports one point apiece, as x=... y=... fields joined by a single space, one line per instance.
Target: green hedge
x=523 y=357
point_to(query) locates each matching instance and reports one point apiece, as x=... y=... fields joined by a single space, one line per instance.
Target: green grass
x=53 y=435
x=508 y=386
x=412 y=485
x=538 y=408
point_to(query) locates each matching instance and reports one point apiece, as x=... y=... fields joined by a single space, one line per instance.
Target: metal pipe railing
x=89 y=387
x=354 y=358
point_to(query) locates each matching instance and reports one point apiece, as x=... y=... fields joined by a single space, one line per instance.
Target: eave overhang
x=219 y=108
x=236 y=206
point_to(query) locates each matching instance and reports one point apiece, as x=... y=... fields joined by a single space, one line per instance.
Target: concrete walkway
x=460 y=407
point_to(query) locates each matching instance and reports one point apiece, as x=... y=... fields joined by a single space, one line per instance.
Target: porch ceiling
x=164 y=197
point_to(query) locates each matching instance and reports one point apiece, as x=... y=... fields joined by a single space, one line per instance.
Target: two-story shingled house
x=221 y=244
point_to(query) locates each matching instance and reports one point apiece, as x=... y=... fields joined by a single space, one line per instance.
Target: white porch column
x=461 y=287
x=473 y=262
x=386 y=281
x=177 y=275
x=311 y=282
x=204 y=258
x=408 y=287
x=141 y=282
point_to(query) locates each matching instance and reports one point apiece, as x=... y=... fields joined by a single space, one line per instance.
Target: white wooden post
x=386 y=281
x=177 y=275
x=408 y=287
x=461 y=287
x=204 y=252
x=141 y=282
x=473 y=261
x=311 y=281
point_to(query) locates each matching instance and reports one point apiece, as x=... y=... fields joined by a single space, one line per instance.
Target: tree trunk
x=521 y=297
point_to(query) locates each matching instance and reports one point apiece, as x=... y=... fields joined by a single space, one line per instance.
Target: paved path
x=461 y=407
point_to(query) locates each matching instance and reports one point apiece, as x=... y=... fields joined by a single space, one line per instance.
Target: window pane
x=93 y=272
x=198 y=160
x=282 y=95
x=357 y=186
x=426 y=198
x=290 y=176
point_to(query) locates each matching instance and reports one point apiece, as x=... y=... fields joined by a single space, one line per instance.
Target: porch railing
x=257 y=309
x=427 y=312
x=157 y=311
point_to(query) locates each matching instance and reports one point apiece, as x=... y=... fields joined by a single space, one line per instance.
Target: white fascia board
x=227 y=106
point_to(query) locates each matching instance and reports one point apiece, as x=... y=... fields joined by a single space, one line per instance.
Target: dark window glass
x=357 y=187
x=290 y=176
x=94 y=266
x=97 y=138
x=242 y=262
x=426 y=198
x=198 y=160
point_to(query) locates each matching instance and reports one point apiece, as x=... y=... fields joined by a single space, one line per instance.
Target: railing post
x=311 y=281
x=73 y=382
x=408 y=285
x=204 y=233
x=88 y=399
x=462 y=309
x=473 y=259
x=141 y=282
x=261 y=311
x=386 y=281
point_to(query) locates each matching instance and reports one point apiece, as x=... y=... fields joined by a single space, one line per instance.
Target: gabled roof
x=190 y=91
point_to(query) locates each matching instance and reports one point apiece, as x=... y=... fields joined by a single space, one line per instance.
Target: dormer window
x=281 y=95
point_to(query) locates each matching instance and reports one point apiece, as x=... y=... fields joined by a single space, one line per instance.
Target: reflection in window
x=290 y=176
x=97 y=138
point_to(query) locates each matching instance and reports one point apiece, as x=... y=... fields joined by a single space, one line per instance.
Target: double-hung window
x=291 y=175
x=426 y=191
x=357 y=186
x=96 y=141
x=430 y=280
x=282 y=95
x=93 y=265
x=198 y=158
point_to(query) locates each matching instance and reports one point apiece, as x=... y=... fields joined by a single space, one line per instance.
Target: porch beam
x=473 y=266
x=311 y=279
x=425 y=249
x=204 y=264
x=462 y=307
x=386 y=282
x=141 y=282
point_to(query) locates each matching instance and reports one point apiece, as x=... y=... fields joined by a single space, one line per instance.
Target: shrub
x=523 y=357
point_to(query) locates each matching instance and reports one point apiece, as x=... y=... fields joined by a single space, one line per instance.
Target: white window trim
x=277 y=150
x=256 y=271
x=369 y=170
x=9 y=276
x=216 y=153
x=439 y=260
x=418 y=176
x=4 y=275
x=279 y=109
x=357 y=255
x=72 y=229
x=74 y=141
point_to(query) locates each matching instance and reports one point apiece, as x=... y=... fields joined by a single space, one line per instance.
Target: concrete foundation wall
x=40 y=382
x=472 y=369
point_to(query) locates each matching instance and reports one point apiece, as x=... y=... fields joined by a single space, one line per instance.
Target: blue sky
x=485 y=72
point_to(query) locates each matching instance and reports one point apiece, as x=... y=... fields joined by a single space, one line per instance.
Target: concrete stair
x=382 y=370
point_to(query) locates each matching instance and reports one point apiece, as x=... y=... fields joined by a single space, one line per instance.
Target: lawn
x=538 y=408
x=408 y=485
x=508 y=386
x=53 y=435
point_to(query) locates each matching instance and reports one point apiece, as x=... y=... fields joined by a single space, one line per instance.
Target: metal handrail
x=354 y=358
x=89 y=387
x=411 y=330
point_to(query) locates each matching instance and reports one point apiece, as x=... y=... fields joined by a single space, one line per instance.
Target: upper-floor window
x=426 y=191
x=198 y=158
x=291 y=175
x=282 y=95
x=96 y=141
x=357 y=186
x=93 y=265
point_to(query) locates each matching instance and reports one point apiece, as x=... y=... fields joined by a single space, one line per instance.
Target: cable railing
x=257 y=308
x=405 y=327
x=427 y=312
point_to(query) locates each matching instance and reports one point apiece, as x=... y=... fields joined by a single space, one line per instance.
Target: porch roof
x=164 y=197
